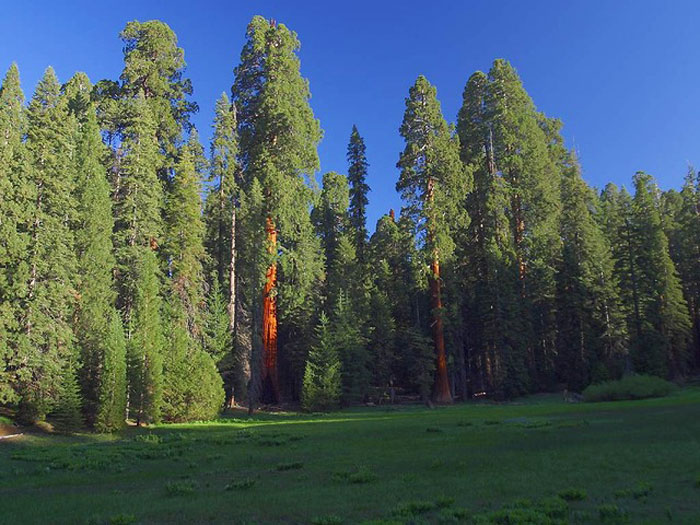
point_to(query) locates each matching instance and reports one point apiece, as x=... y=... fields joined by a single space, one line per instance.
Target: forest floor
x=536 y=459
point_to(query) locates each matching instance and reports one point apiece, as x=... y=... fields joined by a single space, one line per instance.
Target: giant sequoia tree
x=278 y=140
x=357 y=175
x=433 y=182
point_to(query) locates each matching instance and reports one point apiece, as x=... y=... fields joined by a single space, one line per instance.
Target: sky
x=623 y=76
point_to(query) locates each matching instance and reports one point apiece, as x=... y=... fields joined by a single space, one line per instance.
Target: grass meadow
x=536 y=460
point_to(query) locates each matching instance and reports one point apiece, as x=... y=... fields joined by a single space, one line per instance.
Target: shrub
x=573 y=495
x=180 y=488
x=629 y=387
x=612 y=514
x=362 y=475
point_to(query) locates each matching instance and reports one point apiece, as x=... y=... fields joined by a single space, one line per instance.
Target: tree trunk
x=441 y=391
x=270 y=382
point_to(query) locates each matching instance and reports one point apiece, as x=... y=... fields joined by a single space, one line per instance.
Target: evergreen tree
x=491 y=311
x=357 y=174
x=521 y=154
x=433 y=181
x=48 y=308
x=154 y=69
x=66 y=414
x=16 y=203
x=351 y=347
x=681 y=217
x=103 y=371
x=112 y=389
x=661 y=345
x=191 y=382
x=322 y=377
x=592 y=332
x=183 y=244
x=278 y=150
x=146 y=342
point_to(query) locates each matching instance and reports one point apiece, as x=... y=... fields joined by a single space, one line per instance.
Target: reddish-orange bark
x=270 y=382
x=441 y=392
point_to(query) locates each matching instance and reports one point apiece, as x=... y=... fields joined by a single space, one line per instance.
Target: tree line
x=143 y=278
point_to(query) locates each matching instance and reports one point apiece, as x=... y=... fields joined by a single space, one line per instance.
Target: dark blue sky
x=624 y=76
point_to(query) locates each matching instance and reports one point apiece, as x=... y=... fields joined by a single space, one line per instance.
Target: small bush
x=697 y=482
x=573 y=495
x=151 y=439
x=465 y=424
x=641 y=490
x=629 y=387
x=612 y=514
x=433 y=430
x=458 y=515
x=492 y=422
x=241 y=484
x=293 y=465
x=414 y=508
x=122 y=519
x=360 y=476
x=180 y=488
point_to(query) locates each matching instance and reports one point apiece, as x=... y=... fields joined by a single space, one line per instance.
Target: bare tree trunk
x=441 y=392
x=270 y=381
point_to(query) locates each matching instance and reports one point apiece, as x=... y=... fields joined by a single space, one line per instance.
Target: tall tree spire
x=433 y=182
x=357 y=175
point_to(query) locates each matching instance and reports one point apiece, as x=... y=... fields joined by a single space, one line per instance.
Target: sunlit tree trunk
x=441 y=393
x=270 y=384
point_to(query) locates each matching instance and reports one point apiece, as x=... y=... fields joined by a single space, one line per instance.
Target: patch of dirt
x=7 y=430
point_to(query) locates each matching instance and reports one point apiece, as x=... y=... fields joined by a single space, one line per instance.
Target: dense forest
x=145 y=278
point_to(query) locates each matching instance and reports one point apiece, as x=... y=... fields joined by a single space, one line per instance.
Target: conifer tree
x=154 y=69
x=102 y=354
x=146 y=342
x=357 y=175
x=322 y=377
x=682 y=209
x=16 y=203
x=592 y=331
x=66 y=414
x=496 y=350
x=278 y=141
x=183 y=243
x=49 y=305
x=433 y=181
x=661 y=347
x=521 y=154
x=352 y=350
x=220 y=208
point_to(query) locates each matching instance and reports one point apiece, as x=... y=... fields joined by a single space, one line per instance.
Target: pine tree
x=103 y=371
x=352 y=349
x=154 y=69
x=322 y=377
x=191 y=382
x=495 y=347
x=661 y=346
x=278 y=149
x=592 y=330
x=521 y=154
x=146 y=342
x=112 y=389
x=682 y=211
x=433 y=182
x=49 y=305
x=183 y=243
x=220 y=241
x=357 y=175
x=66 y=414
x=16 y=203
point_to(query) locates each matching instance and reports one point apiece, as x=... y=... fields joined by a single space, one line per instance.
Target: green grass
x=537 y=460
x=629 y=387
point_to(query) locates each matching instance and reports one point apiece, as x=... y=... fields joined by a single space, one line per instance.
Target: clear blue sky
x=624 y=76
